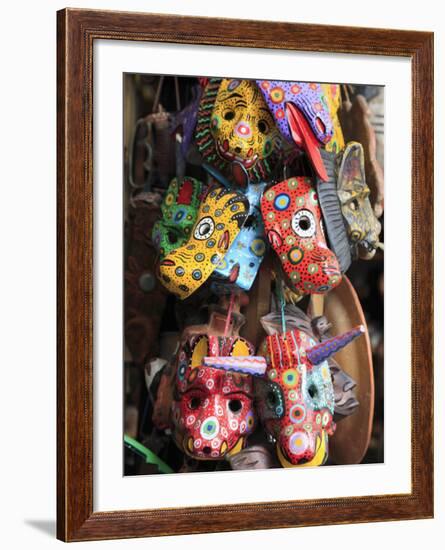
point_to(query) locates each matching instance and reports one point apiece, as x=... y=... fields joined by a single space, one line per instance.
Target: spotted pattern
x=185 y=269
x=179 y=210
x=306 y=395
x=300 y=244
x=308 y=97
x=235 y=126
x=212 y=410
x=242 y=262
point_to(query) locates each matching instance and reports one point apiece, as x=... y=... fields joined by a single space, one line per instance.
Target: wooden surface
x=350 y=441
x=77 y=30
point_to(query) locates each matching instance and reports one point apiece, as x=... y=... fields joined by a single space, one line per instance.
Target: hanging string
x=229 y=314
x=158 y=95
x=282 y=306
x=279 y=290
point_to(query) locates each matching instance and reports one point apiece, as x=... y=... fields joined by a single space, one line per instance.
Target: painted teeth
x=247 y=163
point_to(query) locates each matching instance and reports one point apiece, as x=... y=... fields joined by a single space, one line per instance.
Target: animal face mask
x=308 y=97
x=292 y=220
x=179 y=209
x=213 y=409
x=221 y=215
x=333 y=101
x=362 y=225
x=297 y=403
x=236 y=127
x=240 y=265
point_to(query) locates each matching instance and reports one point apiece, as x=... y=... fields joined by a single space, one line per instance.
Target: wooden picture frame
x=77 y=31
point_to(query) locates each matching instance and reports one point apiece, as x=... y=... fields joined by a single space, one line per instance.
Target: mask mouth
x=331 y=271
x=288 y=461
x=205 y=452
x=317 y=456
x=223 y=242
x=224 y=152
x=167 y=263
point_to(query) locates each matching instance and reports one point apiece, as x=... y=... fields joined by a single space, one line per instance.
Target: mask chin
x=319 y=458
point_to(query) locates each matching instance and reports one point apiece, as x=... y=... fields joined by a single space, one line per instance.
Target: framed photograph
x=245 y=232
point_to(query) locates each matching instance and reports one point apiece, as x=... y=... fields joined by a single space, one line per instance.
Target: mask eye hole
x=313 y=391
x=271 y=399
x=172 y=237
x=229 y=115
x=353 y=205
x=235 y=405
x=303 y=223
x=274 y=401
x=204 y=229
x=263 y=127
x=195 y=403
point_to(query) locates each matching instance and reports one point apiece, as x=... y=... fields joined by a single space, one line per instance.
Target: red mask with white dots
x=212 y=409
x=296 y=403
x=293 y=224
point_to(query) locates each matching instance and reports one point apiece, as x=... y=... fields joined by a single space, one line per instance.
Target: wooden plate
x=342 y=307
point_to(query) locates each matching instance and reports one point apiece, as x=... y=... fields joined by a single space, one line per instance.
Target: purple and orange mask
x=301 y=113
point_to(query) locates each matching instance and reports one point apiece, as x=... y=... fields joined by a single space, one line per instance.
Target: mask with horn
x=296 y=404
x=212 y=410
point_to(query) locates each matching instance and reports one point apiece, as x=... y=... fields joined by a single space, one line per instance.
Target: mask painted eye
x=275 y=401
x=204 y=229
x=229 y=115
x=263 y=127
x=303 y=223
x=195 y=403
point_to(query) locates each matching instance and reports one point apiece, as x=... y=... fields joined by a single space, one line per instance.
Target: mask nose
x=243 y=130
x=297 y=447
x=330 y=265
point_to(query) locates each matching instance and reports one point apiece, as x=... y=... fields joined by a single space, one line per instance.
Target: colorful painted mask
x=301 y=113
x=297 y=402
x=185 y=121
x=292 y=220
x=333 y=101
x=240 y=265
x=221 y=215
x=236 y=127
x=308 y=97
x=213 y=407
x=362 y=225
x=179 y=209
x=333 y=221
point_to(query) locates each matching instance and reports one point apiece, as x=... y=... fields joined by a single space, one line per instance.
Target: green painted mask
x=179 y=210
x=361 y=223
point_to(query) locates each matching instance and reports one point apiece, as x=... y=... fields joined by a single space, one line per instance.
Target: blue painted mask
x=241 y=263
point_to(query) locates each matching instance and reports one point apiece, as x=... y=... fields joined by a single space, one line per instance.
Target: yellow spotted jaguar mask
x=235 y=127
x=221 y=216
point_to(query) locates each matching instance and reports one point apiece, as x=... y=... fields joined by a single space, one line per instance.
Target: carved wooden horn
x=321 y=352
